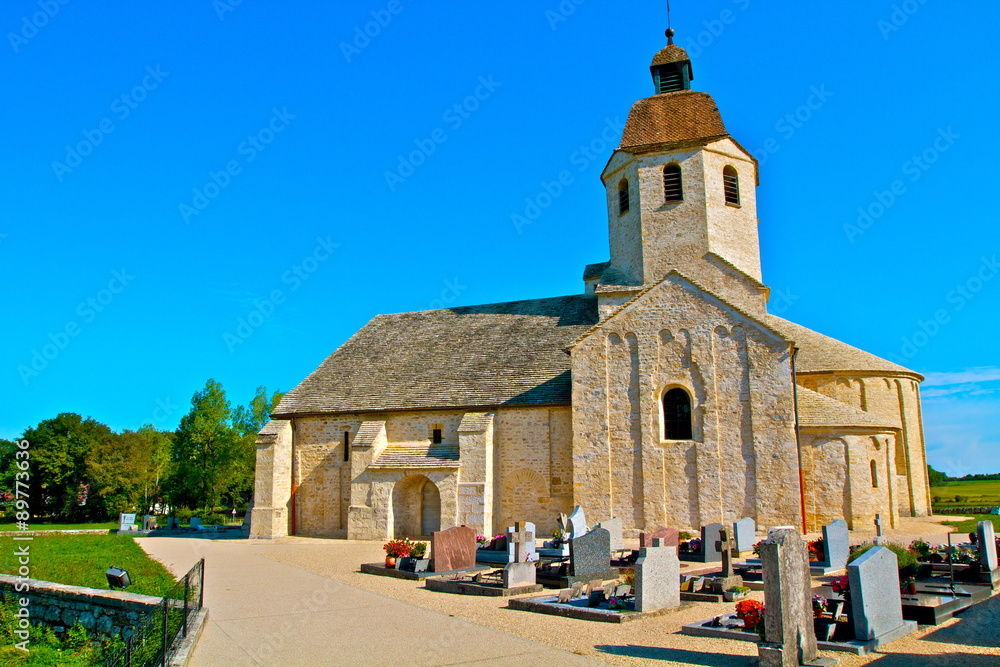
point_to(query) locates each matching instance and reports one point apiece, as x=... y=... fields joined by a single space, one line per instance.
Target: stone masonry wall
x=742 y=460
x=109 y=613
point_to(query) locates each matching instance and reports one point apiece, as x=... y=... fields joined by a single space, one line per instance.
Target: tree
x=59 y=482
x=935 y=477
x=248 y=421
x=127 y=469
x=205 y=445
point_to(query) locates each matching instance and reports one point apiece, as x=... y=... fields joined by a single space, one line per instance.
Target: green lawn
x=970 y=494
x=971 y=525
x=81 y=560
x=9 y=524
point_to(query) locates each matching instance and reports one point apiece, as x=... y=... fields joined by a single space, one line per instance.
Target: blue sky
x=231 y=189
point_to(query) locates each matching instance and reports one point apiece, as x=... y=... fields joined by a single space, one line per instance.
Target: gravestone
x=987 y=543
x=148 y=522
x=725 y=546
x=709 y=546
x=516 y=575
x=590 y=554
x=126 y=522
x=521 y=543
x=623 y=591
x=453 y=549
x=614 y=526
x=173 y=523
x=667 y=536
x=879 y=537
x=195 y=523
x=745 y=534
x=790 y=639
x=836 y=545
x=657 y=578
x=576 y=524
x=595 y=598
x=876 y=603
x=565 y=596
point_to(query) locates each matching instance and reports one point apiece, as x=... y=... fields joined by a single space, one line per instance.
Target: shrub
x=907 y=559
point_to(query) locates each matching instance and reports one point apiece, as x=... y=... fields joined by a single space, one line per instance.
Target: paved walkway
x=262 y=612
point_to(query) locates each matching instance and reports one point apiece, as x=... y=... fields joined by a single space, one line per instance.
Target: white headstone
x=577 y=523
x=836 y=545
x=521 y=546
x=126 y=522
x=745 y=534
x=987 y=543
x=614 y=526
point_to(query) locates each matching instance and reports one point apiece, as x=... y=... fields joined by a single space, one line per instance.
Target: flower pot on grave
x=390 y=562
x=911 y=589
x=733 y=596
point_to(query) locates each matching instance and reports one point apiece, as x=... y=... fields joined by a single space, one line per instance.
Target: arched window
x=677 y=415
x=623 y=197
x=731 y=179
x=673 y=184
x=874 y=475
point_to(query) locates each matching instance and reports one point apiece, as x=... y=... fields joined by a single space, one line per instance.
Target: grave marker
x=790 y=638
x=836 y=548
x=614 y=526
x=987 y=543
x=576 y=524
x=657 y=578
x=453 y=549
x=879 y=537
x=126 y=522
x=876 y=604
x=590 y=554
x=745 y=534
x=668 y=537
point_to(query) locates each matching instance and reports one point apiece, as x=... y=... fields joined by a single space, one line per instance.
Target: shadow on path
x=675 y=655
x=977 y=626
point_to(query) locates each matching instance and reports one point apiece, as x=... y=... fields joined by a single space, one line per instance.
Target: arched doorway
x=416 y=507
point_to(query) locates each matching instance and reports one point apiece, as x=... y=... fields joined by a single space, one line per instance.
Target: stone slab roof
x=817 y=410
x=819 y=353
x=397 y=457
x=272 y=429
x=475 y=422
x=476 y=356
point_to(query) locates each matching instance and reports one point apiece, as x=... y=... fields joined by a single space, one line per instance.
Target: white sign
x=126 y=522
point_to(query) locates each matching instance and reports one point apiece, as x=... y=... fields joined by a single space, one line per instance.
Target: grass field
x=970 y=494
x=971 y=525
x=9 y=524
x=81 y=560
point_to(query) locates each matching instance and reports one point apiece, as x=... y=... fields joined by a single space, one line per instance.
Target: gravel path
x=970 y=641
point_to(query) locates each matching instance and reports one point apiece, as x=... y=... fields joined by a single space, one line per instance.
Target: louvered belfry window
x=670 y=82
x=677 y=415
x=731 y=179
x=623 y=198
x=673 y=184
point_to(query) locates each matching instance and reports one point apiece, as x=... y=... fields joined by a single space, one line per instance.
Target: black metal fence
x=154 y=642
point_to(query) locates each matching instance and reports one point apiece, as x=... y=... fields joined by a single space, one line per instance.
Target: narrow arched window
x=731 y=179
x=624 y=197
x=677 y=415
x=673 y=184
x=347 y=446
x=874 y=475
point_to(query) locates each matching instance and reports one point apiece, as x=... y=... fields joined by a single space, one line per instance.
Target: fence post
x=187 y=588
x=128 y=651
x=166 y=602
x=201 y=587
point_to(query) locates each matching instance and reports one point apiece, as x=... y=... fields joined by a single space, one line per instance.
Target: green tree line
x=938 y=478
x=81 y=470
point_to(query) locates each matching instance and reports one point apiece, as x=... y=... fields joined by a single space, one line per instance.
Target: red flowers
x=398 y=548
x=751 y=613
x=841 y=586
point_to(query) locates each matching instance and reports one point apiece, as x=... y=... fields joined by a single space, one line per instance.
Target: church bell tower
x=680 y=190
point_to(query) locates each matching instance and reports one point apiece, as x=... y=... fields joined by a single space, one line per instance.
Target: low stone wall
x=109 y=613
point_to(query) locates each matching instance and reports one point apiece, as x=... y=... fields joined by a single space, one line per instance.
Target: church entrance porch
x=416 y=507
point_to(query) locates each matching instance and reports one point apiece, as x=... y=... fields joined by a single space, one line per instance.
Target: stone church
x=664 y=394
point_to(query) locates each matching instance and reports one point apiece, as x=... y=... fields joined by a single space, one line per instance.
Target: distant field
x=966 y=494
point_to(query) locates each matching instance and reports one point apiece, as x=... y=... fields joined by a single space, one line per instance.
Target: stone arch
x=416 y=507
x=526 y=498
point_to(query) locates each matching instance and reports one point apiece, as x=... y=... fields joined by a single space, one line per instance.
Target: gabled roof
x=819 y=353
x=817 y=410
x=476 y=356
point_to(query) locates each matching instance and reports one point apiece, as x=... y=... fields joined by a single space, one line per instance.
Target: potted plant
x=908 y=586
x=751 y=612
x=396 y=548
x=736 y=593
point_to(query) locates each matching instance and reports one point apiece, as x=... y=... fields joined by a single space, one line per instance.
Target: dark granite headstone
x=667 y=537
x=453 y=549
x=590 y=554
